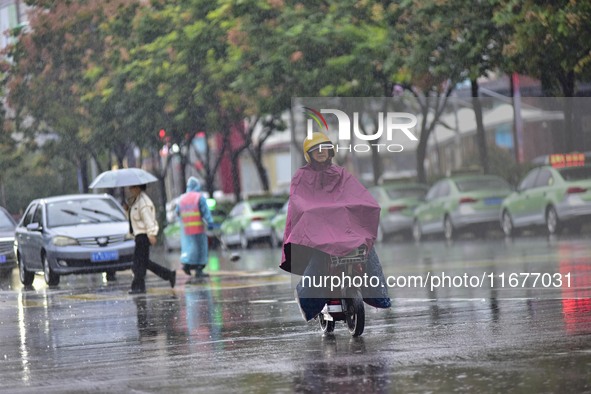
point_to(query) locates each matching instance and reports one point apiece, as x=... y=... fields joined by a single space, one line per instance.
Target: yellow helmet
x=317 y=139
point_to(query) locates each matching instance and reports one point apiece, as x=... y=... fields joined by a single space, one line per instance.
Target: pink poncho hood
x=329 y=210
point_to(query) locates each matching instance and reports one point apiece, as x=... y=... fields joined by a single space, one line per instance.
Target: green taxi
x=554 y=198
x=460 y=203
x=250 y=221
x=398 y=200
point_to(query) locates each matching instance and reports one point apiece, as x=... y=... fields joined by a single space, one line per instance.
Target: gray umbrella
x=122 y=177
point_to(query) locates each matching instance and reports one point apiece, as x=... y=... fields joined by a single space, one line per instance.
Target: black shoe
x=136 y=291
x=200 y=273
x=187 y=269
x=172 y=278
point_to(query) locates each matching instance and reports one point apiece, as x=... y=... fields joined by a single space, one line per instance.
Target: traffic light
x=162 y=134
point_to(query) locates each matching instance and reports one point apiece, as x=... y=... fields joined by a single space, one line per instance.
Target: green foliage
x=37 y=175
x=547 y=40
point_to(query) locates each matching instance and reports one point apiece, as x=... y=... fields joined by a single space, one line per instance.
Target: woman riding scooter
x=330 y=213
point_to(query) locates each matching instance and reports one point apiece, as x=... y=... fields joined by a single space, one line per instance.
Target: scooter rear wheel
x=326 y=325
x=356 y=316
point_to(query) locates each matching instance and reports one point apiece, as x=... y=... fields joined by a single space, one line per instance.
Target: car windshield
x=5 y=222
x=417 y=192
x=78 y=211
x=470 y=185
x=575 y=173
x=266 y=205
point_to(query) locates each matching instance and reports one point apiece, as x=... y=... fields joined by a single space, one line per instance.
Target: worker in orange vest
x=195 y=218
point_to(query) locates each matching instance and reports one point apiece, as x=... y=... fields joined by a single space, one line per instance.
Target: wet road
x=241 y=331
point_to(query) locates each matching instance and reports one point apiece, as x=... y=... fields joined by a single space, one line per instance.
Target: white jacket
x=143 y=216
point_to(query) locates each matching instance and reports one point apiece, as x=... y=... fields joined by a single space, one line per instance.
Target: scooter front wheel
x=327 y=326
x=356 y=316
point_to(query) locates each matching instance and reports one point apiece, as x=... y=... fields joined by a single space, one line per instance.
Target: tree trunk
x=82 y=176
x=421 y=153
x=184 y=160
x=235 y=176
x=480 y=132
x=161 y=187
x=376 y=162
x=257 y=157
x=568 y=89
x=422 y=147
x=209 y=174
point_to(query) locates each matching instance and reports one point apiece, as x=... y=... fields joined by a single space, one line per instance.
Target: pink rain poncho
x=329 y=210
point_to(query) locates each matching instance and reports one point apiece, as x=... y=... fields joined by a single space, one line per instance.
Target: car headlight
x=60 y=240
x=129 y=237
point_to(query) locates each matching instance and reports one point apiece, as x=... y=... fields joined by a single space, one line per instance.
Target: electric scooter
x=348 y=304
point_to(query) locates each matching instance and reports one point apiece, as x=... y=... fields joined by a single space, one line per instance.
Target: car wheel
x=448 y=229
x=507 y=224
x=25 y=276
x=51 y=278
x=417 y=233
x=553 y=224
x=244 y=243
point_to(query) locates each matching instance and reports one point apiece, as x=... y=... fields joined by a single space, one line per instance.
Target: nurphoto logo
x=389 y=123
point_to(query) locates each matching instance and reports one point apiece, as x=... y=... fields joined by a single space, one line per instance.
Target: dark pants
x=312 y=299
x=142 y=262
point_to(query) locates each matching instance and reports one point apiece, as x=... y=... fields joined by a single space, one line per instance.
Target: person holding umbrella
x=143 y=225
x=141 y=214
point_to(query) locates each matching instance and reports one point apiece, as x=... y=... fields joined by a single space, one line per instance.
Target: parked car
x=73 y=234
x=171 y=235
x=250 y=220
x=461 y=203
x=7 y=226
x=397 y=201
x=552 y=197
x=278 y=226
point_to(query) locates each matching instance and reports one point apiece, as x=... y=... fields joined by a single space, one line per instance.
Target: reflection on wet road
x=241 y=331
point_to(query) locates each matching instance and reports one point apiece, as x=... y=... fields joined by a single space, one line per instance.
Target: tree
x=48 y=63
x=466 y=38
x=425 y=74
x=549 y=41
x=307 y=49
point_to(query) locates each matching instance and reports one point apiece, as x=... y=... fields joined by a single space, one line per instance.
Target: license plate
x=2 y=259
x=104 y=256
x=493 y=201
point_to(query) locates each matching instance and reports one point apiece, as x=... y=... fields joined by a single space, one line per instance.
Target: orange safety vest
x=190 y=213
